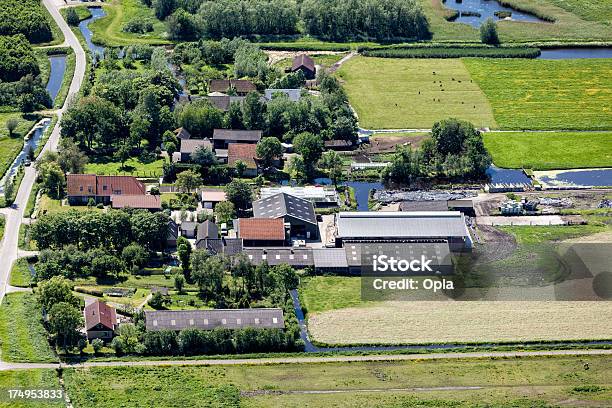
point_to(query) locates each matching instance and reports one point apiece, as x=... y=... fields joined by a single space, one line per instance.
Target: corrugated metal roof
x=264 y=318
x=282 y=204
x=297 y=257
x=233 y=134
x=329 y=258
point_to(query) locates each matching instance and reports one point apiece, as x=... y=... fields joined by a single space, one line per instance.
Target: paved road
x=301 y=360
x=14 y=215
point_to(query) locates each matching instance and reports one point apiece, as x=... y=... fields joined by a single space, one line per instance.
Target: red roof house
x=82 y=187
x=100 y=320
x=261 y=231
x=145 y=202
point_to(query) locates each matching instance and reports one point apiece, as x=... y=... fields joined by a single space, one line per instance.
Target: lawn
x=320 y=293
x=20 y=273
x=22 y=334
x=47 y=204
x=133 y=167
x=533 y=235
x=587 y=9
x=30 y=379
x=399 y=93
x=541 y=94
x=555 y=150
x=525 y=382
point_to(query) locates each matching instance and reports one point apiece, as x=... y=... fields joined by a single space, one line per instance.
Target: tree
x=157 y=301
x=97 y=345
x=106 y=265
x=240 y=194
x=203 y=156
x=55 y=290
x=72 y=17
x=11 y=125
x=123 y=154
x=404 y=167
x=182 y=26
x=333 y=163
x=52 y=179
x=183 y=248
x=200 y=118
x=179 y=282
x=240 y=167
x=207 y=272
x=163 y=8
x=65 y=322
x=70 y=158
x=134 y=255
x=297 y=168
x=188 y=180
x=488 y=32
x=268 y=150
x=224 y=211
x=253 y=111
x=127 y=340
x=450 y=134
x=310 y=147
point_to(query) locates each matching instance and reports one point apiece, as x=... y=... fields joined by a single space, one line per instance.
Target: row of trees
x=25 y=17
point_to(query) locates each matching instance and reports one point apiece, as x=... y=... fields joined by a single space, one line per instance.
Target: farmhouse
x=100 y=321
x=206 y=231
x=245 y=153
x=305 y=64
x=83 y=187
x=261 y=232
x=223 y=137
x=145 y=202
x=210 y=198
x=262 y=318
x=297 y=212
x=240 y=86
x=223 y=102
x=188 y=146
x=319 y=196
x=226 y=246
x=293 y=95
x=399 y=226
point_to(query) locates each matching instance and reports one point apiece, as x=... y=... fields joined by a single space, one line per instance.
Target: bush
x=89 y=291
x=72 y=17
x=137 y=25
x=17 y=58
x=97 y=345
x=488 y=32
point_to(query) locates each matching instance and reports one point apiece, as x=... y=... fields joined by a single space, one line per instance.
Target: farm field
x=541 y=94
x=399 y=93
x=45 y=379
x=22 y=335
x=497 y=382
x=558 y=150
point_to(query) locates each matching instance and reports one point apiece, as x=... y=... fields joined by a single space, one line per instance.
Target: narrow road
x=304 y=360
x=14 y=215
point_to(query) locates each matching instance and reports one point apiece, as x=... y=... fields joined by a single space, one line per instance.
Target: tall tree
x=268 y=150
x=488 y=32
x=240 y=194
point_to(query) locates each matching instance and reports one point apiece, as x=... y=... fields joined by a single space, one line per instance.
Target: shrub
x=137 y=25
x=72 y=17
x=89 y=291
x=449 y=52
x=488 y=32
x=97 y=345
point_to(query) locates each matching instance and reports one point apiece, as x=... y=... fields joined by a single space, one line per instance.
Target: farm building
x=399 y=226
x=223 y=102
x=305 y=64
x=261 y=232
x=223 y=137
x=83 y=187
x=226 y=246
x=206 y=231
x=319 y=196
x=144 y=202
x=297 y=212
x=100 y=321
x=330 y=260
x=245 y=153
x=466 y=206
x=298 y=258
x=241 y=86
x=262 y=318
x=210 y=198
x=188 y=146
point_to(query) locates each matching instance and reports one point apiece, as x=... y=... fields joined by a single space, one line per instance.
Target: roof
x=361 y=254
x=260 y=229
x=214 y=196
x=227 y=246
x=182 y=133
x=282 y=204
x=224 y=85
x=329 y=258
x=81 y=184
x=312 y=193
x=431 y=205
x=189 y=146
x=297 y=257
x=338 y=143
x=303 y=60
x=99 y=313
x=148 y=202
x=401 y=224
x=240 y=135
x=294 y=95
x=263 y=318
x=172 y=230
x=189 y=226
x=243 y=152
x=223 y=102
x=207 y=229
x=90 y=184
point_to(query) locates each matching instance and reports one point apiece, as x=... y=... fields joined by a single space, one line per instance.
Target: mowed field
x=410 y=93
x=550 y=150
x=524 y=382
x=543 y=94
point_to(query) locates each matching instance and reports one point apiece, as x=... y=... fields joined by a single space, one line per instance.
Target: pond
x=475 y=12
x=56 y=76
x=575 y=53
x=362 y=192
x=579 y=178
x=96 y=14
x=507 y=176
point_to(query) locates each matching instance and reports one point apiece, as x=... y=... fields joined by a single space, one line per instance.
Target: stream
x=475 y=12
x=56 y=76
x=96 y=14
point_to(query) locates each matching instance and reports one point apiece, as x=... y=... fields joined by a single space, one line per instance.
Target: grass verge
x=20 y=274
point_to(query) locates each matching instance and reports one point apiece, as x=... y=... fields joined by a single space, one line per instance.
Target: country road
x=302 y=360
x=14 y=214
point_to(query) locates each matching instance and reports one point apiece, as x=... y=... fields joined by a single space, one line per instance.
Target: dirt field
x=423 y=322
x=385 y=143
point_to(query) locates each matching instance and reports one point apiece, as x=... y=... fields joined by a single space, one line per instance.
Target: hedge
x=448 y=52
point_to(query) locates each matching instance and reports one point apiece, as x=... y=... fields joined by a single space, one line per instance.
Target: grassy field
x=133 y=167
x=40 y=379
x=588 y=10
x=11 y=146
x=108 y=30
x=541 y=94
x=525 y=382
x=22 y=335
x=320 y=293
x=399 y=93
x=560 y=150
x=20 y=273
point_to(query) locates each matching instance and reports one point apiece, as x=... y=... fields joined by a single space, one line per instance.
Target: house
x=182 y=133
x=297 y=212
x=403 y=226
x=83 y=187
x=145 y=202
x=207 y=230
x=226 y=246
x=210 y=198
x=100 y=321
x=305 y=64
x=245 y=153
x=188 y=146
x=261 y=232
x=223 y=137
x=223 y=102
x=240 y=86
x=298 y=258
x=260 y=318
x=319 y=196
x=188 y=229
x=293 y=95
x=173 y=233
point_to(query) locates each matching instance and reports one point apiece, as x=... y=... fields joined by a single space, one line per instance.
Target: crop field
x=555 y=150
x=541 y=94
x=22 y=335
x=41 y=379
x=399 y=93
x=524 y=382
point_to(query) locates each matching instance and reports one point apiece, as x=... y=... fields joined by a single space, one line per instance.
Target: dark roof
x=90 y=184
x=241 y=135
x=189 y=146
x=148 y=202
x=282 y=204
x=189 y=226
x=440 y=205
x=264 y=318
x=361 y=254
x=244 y=152
x=182 y=133
x=329 y=258
x=207 y=230
x=260 y=229
x=303 y=60
x=172 y=230
x=227 y=246
x=223 y=102
x=224 y=85
x=99 y=313
x=296 y=257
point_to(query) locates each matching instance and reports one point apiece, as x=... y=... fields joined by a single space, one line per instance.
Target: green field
x=22 y=335
x=20 y=273
x=541 y=94
x=320 y=293
x=11 y=146
x=30 y=379
x=398 y=93
x=133 y=167
x=587 y=9
x=524 y=382
x=555 y=150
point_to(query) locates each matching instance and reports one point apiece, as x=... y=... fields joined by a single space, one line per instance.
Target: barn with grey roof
x=297 y=212
x=259 y=318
